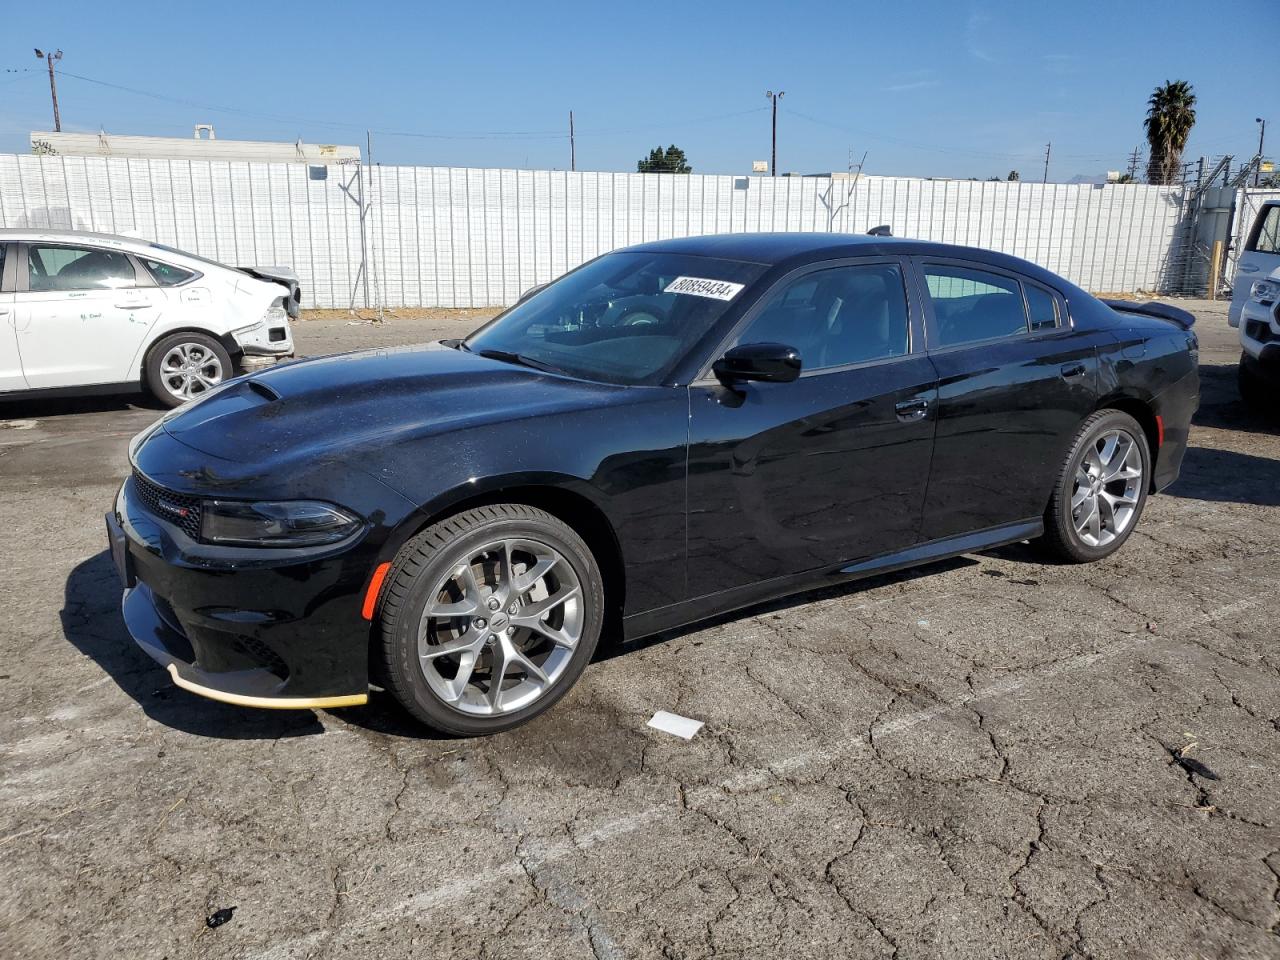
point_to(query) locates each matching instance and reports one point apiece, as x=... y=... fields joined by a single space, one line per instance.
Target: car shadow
x=1225 y=476
x=615 y=646
x=1221 y=406
x=385 y=716
x=41 y=408
x=91 y=622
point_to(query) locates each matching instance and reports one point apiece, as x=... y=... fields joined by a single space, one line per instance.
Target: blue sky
x=925 y=88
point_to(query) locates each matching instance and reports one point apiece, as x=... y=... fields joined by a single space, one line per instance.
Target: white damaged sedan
x=97 y=313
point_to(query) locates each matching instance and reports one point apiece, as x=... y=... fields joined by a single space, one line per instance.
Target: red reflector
x=1159 y=431
x=375 y=587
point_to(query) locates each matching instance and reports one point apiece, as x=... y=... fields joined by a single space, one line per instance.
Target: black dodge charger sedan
x=667 y=432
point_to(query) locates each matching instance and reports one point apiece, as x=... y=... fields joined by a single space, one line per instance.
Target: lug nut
x=494 y=603
x=510 y=631
x=513 y=609
x=479 y=623
x=490 y=640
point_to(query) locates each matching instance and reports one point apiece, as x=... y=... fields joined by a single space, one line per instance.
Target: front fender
x=627 y=462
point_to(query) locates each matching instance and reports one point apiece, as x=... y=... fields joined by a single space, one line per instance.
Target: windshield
x=625 y=318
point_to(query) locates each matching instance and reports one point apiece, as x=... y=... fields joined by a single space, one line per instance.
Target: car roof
x=13 y=234
x=796 y=249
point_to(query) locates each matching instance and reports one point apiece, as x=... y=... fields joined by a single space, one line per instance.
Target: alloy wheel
x=1107 y=488
x=190 y=369
x=500 y=627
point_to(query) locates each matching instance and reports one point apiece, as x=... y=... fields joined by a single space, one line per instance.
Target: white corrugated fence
x=468 y=237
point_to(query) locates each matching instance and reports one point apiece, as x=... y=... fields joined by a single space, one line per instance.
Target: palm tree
x=1171 y=114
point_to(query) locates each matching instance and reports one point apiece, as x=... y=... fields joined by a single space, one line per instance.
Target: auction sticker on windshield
x=701 y=287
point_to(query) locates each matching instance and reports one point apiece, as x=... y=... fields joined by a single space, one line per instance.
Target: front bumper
x=284 y=632
x=1260 y=331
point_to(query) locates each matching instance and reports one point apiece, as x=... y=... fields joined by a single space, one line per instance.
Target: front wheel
x=1101 y=490
x=489 y=618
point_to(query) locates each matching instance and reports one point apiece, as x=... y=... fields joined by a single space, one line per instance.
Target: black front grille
x=176 y=508
x=1258 y=330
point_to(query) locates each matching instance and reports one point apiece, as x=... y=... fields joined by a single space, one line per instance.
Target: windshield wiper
x=508 y=356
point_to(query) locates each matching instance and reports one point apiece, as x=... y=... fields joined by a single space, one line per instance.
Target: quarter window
x=78 y=268
x=1042 y=307
x=166 y=274
x=972 y=305
x=838 y=316
x=1268 y=240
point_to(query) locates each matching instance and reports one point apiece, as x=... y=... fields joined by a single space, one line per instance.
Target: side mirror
x=768 y=362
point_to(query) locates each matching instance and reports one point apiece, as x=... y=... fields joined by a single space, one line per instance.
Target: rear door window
x=972 y=305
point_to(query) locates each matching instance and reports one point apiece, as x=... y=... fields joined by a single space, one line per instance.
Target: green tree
x=1171 y=113
x=1127 y=178
x=1013 y=175
x=670 y=160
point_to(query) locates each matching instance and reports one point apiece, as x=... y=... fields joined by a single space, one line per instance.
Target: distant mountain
x=1088 y=178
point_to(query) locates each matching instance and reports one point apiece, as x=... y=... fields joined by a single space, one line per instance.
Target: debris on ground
x=219 y=917
x=675 y=724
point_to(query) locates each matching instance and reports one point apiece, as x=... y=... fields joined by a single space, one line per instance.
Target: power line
x=479 y=135
x=483 y=135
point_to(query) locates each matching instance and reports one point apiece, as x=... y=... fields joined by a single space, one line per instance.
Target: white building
x=203 y=145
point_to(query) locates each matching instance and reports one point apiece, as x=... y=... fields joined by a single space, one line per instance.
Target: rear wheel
x=489 y=618
x=1101 y=490
x=183 y=366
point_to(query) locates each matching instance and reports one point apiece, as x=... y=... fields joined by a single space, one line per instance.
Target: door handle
x=1072 y=370
x=133 y=306
x=909 y=410
x=1247 y=268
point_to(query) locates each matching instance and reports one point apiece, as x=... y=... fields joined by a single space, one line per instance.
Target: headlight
x=275 y=523
x=1264 y=291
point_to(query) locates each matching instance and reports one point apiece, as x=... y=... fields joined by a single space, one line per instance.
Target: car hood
x=351 y=405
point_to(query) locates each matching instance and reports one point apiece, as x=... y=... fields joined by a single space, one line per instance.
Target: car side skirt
x=691 y=611
x=82 y=390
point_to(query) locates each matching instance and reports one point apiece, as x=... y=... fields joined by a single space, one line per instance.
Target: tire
x=1065 y=540
x=431 y=569
x=1253 y=390
x=182 y=366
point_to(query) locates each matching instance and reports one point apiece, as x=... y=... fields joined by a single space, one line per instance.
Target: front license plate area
x=120 y=552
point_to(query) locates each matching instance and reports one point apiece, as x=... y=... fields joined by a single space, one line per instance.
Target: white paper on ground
x=674 y=723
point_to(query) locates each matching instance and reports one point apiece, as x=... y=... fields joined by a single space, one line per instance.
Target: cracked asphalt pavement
x=983 y=758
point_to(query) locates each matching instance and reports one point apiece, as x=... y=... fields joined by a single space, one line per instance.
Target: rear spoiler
x=281 y=275
x=1152 y=308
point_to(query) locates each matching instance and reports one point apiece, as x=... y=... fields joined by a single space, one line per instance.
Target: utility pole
x=53 y=84
x=773 y=156
x=1048 y=148
x=573 y=152
x=1133 y=163
x=1257 y=173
